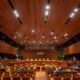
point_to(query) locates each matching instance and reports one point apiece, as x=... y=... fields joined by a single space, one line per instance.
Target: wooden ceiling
x=32 y=17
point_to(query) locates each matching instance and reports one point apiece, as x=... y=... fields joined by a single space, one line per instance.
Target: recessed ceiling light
x=72 y=15
x=43 y=36
x=16 y=32
x=52 y=33
x=19 y=34
x=76 y=10
x=15 y=37
x=16 y=13
x=34 y=41
x=46 y=13
x=33 y=31
x=66 y=34
x=47 y=7
x=55 y=37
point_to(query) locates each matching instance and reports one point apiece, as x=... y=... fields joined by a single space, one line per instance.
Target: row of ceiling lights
x=74 y=12
x=47 y=8
x=55 y=38
x=16 y=13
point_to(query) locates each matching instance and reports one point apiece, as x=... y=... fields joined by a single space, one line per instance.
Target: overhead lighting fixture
x=46 y=13
x=16 y=13
x=15 y=37
x=52 y=33
x=55 y=37
x=34 y=41
x=66 y=34
x=76 y=10
x=19 y=34
x=43 y=36
x=72 y=15
x=47 y=7
x=16 y=32
x=33 y=31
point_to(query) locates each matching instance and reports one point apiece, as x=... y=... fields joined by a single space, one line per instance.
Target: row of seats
x=25 y=76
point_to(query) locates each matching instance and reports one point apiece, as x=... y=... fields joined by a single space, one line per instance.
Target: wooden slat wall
x=33 y=54
x=6 y=48
x=75 y=48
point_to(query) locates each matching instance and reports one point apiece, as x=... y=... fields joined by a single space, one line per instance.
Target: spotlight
x=65 y=34
x=76 y=10
x=46 y=13
x=16 y=13
x=72 y=15
x=47 y=7
x=33 y=31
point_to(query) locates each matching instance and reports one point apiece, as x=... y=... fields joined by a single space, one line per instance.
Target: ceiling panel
x=32 y=16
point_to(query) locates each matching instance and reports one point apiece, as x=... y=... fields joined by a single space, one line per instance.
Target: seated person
x=2 y=68
x=40 y=74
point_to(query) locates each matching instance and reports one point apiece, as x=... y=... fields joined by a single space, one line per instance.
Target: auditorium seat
x=57 y=78
x=0 y=74
x=76 y=78
x=25 y=78
x=6 y=78
x=66 y=78
x=15 y=76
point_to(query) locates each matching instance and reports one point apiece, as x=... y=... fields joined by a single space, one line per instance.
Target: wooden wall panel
x=33 y=54
x=74 y=48
x=6 y=48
